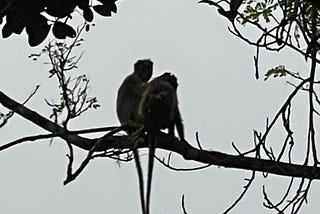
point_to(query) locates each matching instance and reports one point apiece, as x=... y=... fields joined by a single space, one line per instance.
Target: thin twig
x=183 y=205
x=245 y=189
x=46 y=136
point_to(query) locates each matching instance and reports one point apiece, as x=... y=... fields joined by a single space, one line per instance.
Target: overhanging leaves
x=61 y=30
x=17 y=14
x=107 y=7
x=60 y=8
x=88 y=14
x=37 y=29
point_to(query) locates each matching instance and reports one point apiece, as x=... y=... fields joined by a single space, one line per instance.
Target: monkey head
x=170 y=78
x=143 y=68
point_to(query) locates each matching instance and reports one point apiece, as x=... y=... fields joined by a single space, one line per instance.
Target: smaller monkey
x=159 y=105
x=159 y=110
x=128 y=101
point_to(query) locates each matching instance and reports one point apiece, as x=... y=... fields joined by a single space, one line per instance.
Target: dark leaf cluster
x=38 y=17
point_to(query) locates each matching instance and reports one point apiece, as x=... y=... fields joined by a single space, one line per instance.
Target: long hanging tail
x=140 y=178
x=139 y=169
x=152 y=147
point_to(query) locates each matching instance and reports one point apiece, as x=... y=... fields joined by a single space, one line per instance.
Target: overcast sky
x=218 y=95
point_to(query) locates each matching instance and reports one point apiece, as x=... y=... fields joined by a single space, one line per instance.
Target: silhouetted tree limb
x=44 y=122
x=168 y=143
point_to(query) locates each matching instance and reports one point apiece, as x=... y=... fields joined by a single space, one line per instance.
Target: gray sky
x=218 y=94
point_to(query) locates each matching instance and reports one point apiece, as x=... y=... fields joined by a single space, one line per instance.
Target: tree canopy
x=38 y=17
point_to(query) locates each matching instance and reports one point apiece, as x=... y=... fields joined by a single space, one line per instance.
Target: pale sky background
x=218 y=94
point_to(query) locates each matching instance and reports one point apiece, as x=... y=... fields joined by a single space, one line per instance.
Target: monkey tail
x=140 y=178
x=152 y=147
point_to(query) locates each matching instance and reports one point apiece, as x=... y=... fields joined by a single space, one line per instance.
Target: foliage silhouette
x=38 y=17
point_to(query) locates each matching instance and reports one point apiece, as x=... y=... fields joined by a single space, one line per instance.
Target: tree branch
x=168 y=143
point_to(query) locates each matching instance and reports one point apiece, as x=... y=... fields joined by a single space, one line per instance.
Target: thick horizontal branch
x=168 y=143
x=43 y=122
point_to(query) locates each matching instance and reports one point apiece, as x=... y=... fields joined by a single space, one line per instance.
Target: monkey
x=131 y=90
x=159 y=110
x=162 y=92
x=127 y=105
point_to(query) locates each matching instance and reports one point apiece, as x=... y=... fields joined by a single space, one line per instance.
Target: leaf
x=61 y=30
x=6 y=31
x=88 y=14
x=60 y=8
x=87 y=28
x=235 y=4
x=279 y=71
x=83 y=4
x=102 y=10
x=16 y=22
x=37 y=29
x=106 y=8
x=107 y=2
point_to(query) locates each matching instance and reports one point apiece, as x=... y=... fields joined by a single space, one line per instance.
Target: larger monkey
x=131 y=90
x=159 y=110
x=128 y=100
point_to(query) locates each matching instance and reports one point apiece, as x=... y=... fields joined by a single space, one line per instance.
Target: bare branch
x=7 y=116
x=245 y=189
x=183 y=205
x=46 y=136
x=167 y=165
x=167 y=143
